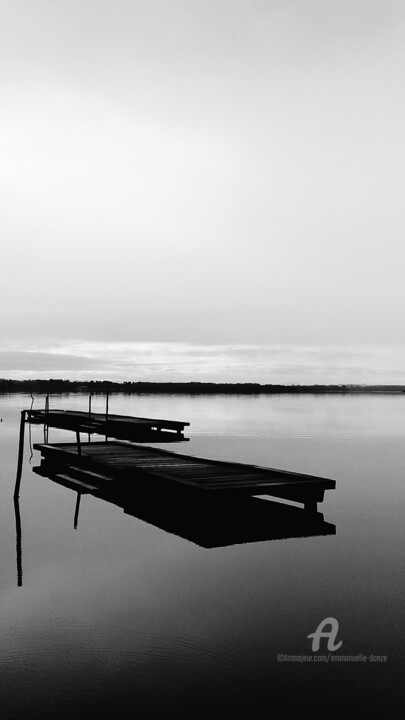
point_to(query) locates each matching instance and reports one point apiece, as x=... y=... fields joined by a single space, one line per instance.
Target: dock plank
x=133 y=463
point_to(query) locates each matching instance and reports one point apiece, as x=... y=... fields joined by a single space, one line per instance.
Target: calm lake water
x=120 y=616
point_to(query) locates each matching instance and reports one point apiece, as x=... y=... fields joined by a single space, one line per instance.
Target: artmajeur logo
x=331 y=634
x=328 y=629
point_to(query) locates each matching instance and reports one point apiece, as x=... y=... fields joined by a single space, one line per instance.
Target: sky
x=202 y=190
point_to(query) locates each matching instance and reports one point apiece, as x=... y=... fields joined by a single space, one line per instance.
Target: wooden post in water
x=89 y=413
x=79 y=447
x=20 y=455
x=106 y=416
x=46 y=426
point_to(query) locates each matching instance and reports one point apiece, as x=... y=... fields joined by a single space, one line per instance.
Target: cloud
x=31 y=361
x=210 y=172
x=184 y=362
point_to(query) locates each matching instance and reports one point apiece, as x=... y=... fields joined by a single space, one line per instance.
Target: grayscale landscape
x=202 y=359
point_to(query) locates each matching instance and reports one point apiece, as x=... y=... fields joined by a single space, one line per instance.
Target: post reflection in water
x=18 y=542
x=77 y=508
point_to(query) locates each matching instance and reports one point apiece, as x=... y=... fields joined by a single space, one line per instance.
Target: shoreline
x=96 y=387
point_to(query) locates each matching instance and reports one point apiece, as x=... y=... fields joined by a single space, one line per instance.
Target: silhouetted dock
x=213 y=503
x=96 y=465
x=122 y=427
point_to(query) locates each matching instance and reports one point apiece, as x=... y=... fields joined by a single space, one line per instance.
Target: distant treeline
x=185 y=388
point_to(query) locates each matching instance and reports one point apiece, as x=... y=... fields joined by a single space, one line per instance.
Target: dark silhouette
x=18 y=540
x=184 y=388
x=99 y=464
x=207 y=524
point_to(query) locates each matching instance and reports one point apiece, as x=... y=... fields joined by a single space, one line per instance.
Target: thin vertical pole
x=20 y=455
x=18 y=540
x=79 y=447
x=76 y=518
x=46 y=426
x=89 y=413
x=106 y=416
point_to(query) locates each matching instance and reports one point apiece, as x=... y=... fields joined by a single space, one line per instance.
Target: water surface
x=121 y=616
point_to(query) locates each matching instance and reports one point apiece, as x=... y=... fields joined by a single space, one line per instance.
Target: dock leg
x=89 y=414
x=79 y=447
x=20 y=455
x=311 y=506
x=46 y=426
x=106 y=416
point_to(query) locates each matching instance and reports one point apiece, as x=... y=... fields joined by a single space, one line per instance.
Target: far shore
x=184 y=388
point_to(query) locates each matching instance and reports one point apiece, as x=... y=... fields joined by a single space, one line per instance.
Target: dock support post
x=20 y=455
x=79 y=447
x=89 y=413
x=106 y=415
x=46 y=426
x=311 y=506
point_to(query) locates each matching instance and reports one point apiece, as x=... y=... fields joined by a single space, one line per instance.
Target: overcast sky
x=226 y=175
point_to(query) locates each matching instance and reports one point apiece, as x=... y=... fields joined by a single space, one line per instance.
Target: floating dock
x=96 y=465
x=121 y=427
x=209 y=502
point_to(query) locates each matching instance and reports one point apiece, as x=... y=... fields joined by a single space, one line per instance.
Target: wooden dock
x=99 y=464
x=121 y=427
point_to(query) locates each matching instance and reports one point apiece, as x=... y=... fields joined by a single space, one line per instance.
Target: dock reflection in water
x=209 y=524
